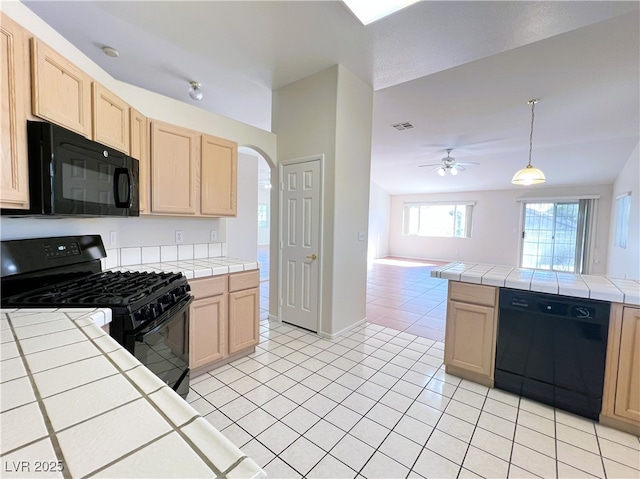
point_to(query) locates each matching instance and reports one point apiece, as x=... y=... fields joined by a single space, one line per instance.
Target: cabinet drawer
x=206 y=287
x=240 y=281
x=472 y=293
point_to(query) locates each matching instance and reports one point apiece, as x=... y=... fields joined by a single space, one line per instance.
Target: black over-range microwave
x=70 y=175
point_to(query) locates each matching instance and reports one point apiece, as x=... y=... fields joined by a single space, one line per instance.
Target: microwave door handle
x=116 y=190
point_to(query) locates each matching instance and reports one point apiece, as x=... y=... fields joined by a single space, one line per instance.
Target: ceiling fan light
x=441 y=171
x=454 y=171
x=528 y=176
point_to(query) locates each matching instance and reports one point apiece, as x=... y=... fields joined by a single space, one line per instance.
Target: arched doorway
x=257 y=170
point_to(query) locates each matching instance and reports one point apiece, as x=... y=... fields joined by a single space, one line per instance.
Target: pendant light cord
x=533 y=105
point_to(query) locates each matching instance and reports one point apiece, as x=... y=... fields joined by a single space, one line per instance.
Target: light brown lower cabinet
x=244 y=310
x=223 y=319
x=471 y=328
x=208 y=321
x=621 y=398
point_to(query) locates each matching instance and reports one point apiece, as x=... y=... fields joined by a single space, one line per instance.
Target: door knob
x=313 y=257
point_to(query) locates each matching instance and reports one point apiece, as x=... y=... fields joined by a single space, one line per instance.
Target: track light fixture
x=194 y=91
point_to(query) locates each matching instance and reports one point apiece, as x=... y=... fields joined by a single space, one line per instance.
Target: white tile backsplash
x=113 y=259
x=185 y=251
x=130 y=256
x=215 y=250
x=150 y=254
x=168 y=253
x=123 y=257
x=200 y=251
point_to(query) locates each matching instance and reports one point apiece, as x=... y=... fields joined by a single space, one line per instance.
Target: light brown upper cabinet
x=218 y=181
x=174 y=169
x=61 y=91
x=110 y=119
x=139 y=149
x=14 y=90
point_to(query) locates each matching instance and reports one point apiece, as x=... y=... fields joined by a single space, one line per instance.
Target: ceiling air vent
x=406 y=125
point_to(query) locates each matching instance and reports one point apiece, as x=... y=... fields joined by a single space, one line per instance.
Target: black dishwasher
x=552 y=349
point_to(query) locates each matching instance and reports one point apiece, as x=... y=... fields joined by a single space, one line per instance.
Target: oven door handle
x=161 y=320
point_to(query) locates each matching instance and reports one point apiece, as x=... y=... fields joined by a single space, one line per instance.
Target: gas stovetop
x=149 y=310
x=140 y=296
x=103 y=289
x=66 y=272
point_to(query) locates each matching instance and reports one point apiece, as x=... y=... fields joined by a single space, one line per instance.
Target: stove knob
x=156 y=310
x=144 y=313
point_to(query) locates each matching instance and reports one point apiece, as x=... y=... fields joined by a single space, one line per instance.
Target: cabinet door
x=61 y=91
x=174 y=153
x=627 y=402
x=110 y=119
x=218 y=187
x=469 y=338
x=14 y=82
x=243 y=319
x=139 y=148
x=207 y=331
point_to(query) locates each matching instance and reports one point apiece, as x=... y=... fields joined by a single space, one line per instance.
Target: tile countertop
x=194 y=268
x=72 y=398
x=626 y=291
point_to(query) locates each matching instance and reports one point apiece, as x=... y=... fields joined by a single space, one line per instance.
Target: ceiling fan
x=449 y=164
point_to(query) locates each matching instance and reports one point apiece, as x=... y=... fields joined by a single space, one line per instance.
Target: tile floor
x=402 y=295
x=377 y=403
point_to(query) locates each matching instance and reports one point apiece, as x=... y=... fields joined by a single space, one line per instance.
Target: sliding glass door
x=553 y=235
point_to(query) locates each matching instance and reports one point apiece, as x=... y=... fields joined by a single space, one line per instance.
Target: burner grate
x=122 y=288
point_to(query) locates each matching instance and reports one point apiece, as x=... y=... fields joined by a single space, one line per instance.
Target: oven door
x=163 y=346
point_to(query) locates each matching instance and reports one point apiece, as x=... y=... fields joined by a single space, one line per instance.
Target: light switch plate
x=113 y=238
x=179 y=236
x=214 y=236
x=360 y=235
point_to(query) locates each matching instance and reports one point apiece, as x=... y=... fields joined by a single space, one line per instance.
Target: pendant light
x=529 y=175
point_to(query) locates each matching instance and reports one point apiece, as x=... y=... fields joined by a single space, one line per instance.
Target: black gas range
x=150 y=311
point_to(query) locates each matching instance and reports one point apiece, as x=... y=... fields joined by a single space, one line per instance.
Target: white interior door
x=300 y=228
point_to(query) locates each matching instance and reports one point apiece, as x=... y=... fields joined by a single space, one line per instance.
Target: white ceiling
x=461 y=72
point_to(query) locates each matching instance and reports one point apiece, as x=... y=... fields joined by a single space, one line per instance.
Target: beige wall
x=351 y=208
x=496 y=226
x=316 y=116
x=243 y=230
x=625 y=262
x=379 y=215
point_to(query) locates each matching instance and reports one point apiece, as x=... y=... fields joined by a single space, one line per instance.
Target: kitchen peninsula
x=75 y=402
x=473 y=308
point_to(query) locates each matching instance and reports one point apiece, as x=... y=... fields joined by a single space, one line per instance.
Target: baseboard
x=272 y=317
x=343 y=331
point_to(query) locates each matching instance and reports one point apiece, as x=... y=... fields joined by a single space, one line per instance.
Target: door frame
x=281 y=165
